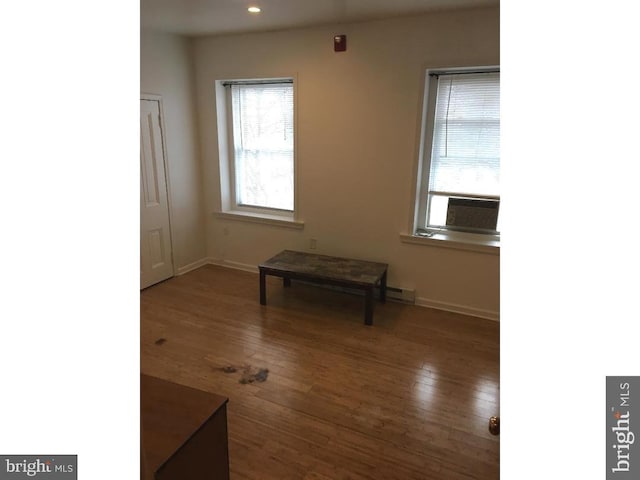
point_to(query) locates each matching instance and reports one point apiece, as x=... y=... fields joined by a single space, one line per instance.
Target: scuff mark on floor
x=249 y=374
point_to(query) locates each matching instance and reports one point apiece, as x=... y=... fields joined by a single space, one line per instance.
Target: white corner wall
x=166 y=69
x=358 y=128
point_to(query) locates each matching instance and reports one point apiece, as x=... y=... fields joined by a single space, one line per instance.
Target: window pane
x=438 y=210
x=263 y=145
x=465 y=155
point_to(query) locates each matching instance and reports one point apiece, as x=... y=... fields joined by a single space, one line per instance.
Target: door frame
x=158 y=98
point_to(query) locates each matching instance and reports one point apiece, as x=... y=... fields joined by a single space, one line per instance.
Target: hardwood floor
x=408 y=398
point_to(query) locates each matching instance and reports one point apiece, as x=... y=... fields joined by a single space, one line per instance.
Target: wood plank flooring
x=407 y=398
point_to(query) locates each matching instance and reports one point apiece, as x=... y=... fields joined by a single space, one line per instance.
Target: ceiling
x=211 y=17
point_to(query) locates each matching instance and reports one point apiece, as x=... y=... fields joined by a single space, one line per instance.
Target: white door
x=155 y=240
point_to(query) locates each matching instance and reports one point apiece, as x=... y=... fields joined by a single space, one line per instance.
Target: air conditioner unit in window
x=472 y=215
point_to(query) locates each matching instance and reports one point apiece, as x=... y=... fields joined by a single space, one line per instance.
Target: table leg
x=383 y=287
x=286 y=281
x=263 y=289
x=368 y=306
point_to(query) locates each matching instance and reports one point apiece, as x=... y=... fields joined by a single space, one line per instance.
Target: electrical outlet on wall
x=313 y=243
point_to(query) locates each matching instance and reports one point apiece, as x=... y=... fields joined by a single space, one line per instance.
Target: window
x=256 y=146
x=459 y=185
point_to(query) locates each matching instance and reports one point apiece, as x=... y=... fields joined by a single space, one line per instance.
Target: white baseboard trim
x=192 y=266
x=245 y=267
x=456 y=308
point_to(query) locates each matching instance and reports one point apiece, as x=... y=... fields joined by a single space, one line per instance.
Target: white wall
x=358 y=119
x=166 y=69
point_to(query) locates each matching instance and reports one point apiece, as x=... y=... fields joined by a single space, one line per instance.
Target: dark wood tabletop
x=357 y=272
x=170 y=414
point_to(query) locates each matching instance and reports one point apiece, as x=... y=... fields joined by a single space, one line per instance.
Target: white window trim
x=421 y=234
x=229 y=208
x=457 y=240
x=264 y=219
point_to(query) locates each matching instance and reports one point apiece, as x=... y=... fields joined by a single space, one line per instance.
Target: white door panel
x=155 y=240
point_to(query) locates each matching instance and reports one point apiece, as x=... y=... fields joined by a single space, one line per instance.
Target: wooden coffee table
x=323 y=269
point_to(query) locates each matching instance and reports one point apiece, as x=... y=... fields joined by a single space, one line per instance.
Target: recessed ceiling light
x=254 y=9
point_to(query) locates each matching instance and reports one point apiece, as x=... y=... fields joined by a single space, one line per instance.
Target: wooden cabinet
x=183 y=432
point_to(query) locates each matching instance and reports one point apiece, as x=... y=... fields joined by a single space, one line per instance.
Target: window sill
x=455 y=240
x=262 y=218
